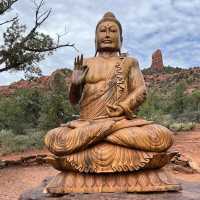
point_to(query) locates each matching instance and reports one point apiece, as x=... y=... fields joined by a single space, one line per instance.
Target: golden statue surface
x=109 y=149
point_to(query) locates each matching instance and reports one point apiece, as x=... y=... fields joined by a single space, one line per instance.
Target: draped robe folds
x=98 y=143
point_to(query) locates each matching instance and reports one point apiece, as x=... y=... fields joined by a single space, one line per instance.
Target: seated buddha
x=108 y=137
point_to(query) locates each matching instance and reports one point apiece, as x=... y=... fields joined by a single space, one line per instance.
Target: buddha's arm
x=77 y=82
x=137 y=89
x=75 y=93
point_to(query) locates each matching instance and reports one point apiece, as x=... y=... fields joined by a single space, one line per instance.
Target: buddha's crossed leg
x=151 y=137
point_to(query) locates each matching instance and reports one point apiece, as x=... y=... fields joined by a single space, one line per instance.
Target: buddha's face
x=108 y=37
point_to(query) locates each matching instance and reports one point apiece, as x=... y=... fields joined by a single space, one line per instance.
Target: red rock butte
x=157 y=61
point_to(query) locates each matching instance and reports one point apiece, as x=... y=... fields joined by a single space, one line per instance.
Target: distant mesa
x=157 y=61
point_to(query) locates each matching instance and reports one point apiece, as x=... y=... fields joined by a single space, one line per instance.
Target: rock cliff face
x=60 y=79
x=41 y=82
x=157 y=61
x=57 y=78
x=170 y=79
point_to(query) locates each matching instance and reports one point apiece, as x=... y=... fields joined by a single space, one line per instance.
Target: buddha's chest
x=102 y=70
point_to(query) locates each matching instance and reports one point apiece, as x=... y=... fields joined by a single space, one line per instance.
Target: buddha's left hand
x=114 y=110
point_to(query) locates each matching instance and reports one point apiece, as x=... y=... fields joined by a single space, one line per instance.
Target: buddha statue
x=109 y=148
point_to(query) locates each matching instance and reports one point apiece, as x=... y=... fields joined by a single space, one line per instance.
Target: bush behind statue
x=26 y=115
x=29 y=113
x=34 y=108
x=173 y=106
x=10 y=142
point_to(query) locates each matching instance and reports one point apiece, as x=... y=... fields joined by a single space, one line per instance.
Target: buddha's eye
x=113 y=30
x=102 y=30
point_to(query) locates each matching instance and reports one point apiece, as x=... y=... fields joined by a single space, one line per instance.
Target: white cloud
x=172 y=25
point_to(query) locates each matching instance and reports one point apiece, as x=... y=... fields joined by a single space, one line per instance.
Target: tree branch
x=13 y=66
x=38 y=22
x=3 y=56
x=50 y=48
x=16 y=54
x=5 y=68
x=11 y=20
x=5 y=5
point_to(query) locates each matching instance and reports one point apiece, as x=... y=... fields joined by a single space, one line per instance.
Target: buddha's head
x=108 y=34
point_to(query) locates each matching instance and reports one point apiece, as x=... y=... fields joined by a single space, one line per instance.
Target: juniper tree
x=22 y=49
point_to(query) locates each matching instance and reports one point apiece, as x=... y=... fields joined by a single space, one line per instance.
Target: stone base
x=145 y=181
x=190 y=192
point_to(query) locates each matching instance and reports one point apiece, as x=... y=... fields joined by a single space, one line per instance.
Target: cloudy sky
x=171 y=25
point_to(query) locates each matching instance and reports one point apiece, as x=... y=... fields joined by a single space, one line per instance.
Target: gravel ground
x=15 y=180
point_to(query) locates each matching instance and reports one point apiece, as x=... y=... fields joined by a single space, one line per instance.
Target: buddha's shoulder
x=131 y=61
x=89 y=60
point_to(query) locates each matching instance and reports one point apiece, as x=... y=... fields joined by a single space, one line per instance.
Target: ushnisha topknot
x=109 y=16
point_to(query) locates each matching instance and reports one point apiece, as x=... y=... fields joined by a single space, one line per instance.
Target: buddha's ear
x=96 y=46
x=121 y=38
x=120 y=41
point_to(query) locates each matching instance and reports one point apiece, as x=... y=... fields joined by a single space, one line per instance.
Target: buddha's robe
x=126 y=142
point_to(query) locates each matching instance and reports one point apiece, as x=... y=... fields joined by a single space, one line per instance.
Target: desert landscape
x=119 y=119
x=21 y=171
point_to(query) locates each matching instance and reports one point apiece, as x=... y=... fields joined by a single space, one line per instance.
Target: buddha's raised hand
x=79 y=72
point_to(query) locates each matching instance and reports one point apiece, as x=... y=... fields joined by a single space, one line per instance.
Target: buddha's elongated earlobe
x=96 y=50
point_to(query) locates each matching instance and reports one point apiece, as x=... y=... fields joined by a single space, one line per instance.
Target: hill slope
x=168 y=78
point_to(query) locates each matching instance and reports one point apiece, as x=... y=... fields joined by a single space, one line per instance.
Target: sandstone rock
x=52 y=82
x=60 y=79
x=194 y=165
x=157 y=61
x=40 y=83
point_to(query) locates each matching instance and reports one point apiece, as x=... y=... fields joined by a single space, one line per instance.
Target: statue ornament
x=109 y=148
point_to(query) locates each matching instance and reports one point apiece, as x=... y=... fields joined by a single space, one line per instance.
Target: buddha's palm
x=79 y=72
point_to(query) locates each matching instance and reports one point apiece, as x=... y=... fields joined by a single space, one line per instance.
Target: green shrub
x=27 y=110
x=9 y=142
x=176 y=103
x=20 y=110
x=182 y=126
x=188 y=126
x=32 y=108
x=55 y=110
x=175 y=127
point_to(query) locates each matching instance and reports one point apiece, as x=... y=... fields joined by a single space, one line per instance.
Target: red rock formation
x=57 y=77
x=171 y=79
x=157 y=61
x=41 y=82
x=44 y=82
